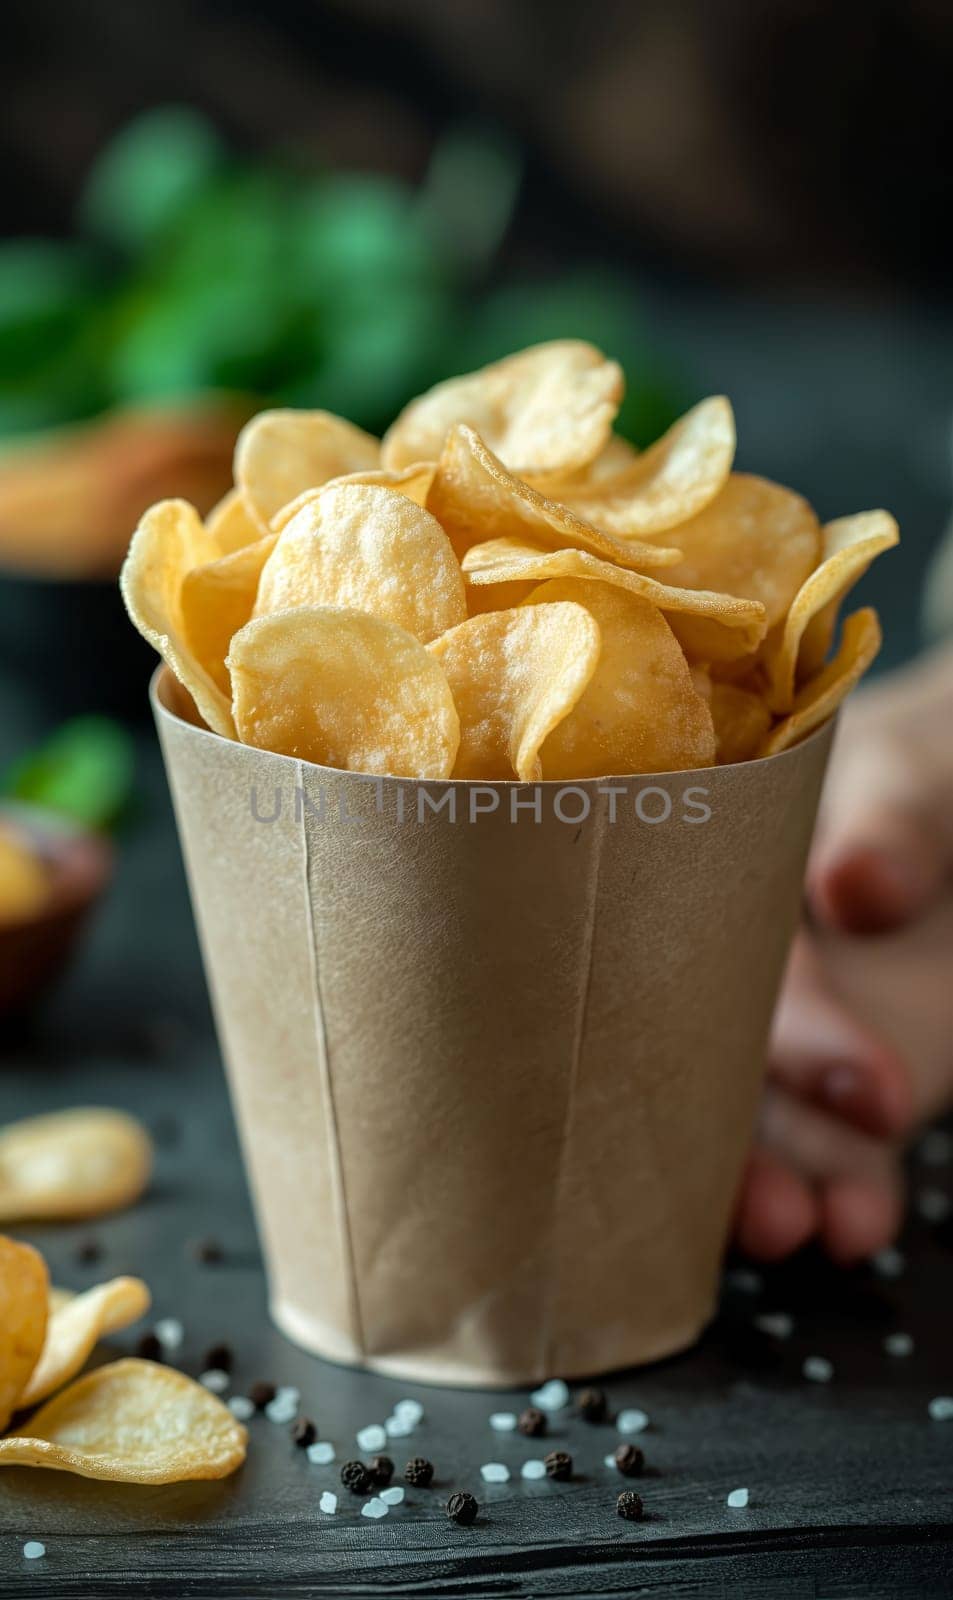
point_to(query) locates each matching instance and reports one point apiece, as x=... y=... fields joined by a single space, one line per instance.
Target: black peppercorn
x=629 y=1505
x=532 y=1422
x=261 y=1394
x=303 y=1432
x=462 y=1508
x=149 y=1347
x=381 y=1469
x=355 y=1476
x=558 y=1465
x=208 y=1251
x=629 y=1460
x=89 y=1250
x=419 y=1472
x=591 y=1405
x=220 y=1357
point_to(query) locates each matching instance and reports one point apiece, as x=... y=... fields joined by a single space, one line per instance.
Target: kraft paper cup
x=495 y=1049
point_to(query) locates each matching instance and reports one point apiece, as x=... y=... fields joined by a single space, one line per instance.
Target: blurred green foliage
x=84 y=771
x=195 y=271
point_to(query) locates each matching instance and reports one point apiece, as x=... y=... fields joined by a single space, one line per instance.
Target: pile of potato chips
x=504 y=588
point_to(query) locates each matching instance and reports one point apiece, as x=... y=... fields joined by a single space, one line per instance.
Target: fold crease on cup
x=495 y=1074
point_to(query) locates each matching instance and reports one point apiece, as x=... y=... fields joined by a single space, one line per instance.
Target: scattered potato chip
x=24 y=1283
x=665 y=485
x=514 y=676
x=548 y=409
x=501 y=559
x=280 y=454
x=475 y=499
x=848 y=546
x=640 y=711
x=59 y=1298
x=369 y=549
x=78 y=1163
x=169 y=541
x=75 y=1327
x=131 y=1422
x=24 y=879
x=345 y=690
x=218 y=599
x=741 y=720
x=616 y=456
x=821 y=696
x=231 y=524
x=413 y=481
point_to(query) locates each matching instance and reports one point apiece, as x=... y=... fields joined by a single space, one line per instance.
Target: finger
x=860 y=1216
x=820 y=1148
x=777 y=1212
x=822 y=1052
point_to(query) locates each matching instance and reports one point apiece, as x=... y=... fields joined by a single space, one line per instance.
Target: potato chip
x=741 y=720
x=231 y=524
x=413 y=481
x=280 y=454
x=821 y=696
x=514 y=676
x=218 y=599
x=501 y=559
x=25 y=883
x=614 y=458
x=364 y=548
x=75 y=1327
x=666 y=484
x=59 y=1298
x=548 y=409
x=475 y=499
x=169 y=541
x=640 y=711
x=345 y=690
x=131 y=1422
x=78 y=1163
x=24 y=1284
x=848 y=546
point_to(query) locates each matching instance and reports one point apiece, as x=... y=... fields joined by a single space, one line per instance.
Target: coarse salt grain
x=898 y=1344
x=936 y=1148
x=373 y=1437
x=888 y=1263
x=375 y=1508
x=495 y=1472
x=328 y=1503
x=776 y=1323
x=738 y=1499
x=288 y=1392
x=941 y=1408
x=533 y=1469
x=933 y=1205
x=818 y=1369
x=409 y=1411
x=632 y=1421
x=241 y=1407
x=398 y=1428
x=394 y=1496
x=503 y=1421
x=170 y=1332
x=552 y=1396
x=33 y=1550
x=279 y=1410
x=215 y=1379
x=745 y=1280
x=320 y=1454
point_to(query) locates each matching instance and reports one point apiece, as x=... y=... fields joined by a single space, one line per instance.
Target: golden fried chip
x=548 y=409
x=280 y=454
x=666 y=484
x=502 y=560
x=821 y=696
x=475 y=499
x=345 y=690
x=514 y=676
x=24 y=879
x=640 y=711
x=74 y=1329
x=848 y=546
x=131 y=1422
x=364 y=548
x=413 y=481
x=217 y=600
x=78 y=1163
x=613 y=459
x=231 y=524
x=169 y=541
x=24 y=1283
x=59 y=1298
x=741 y=720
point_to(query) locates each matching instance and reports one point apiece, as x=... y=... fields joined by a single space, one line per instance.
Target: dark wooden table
x=851 y=1482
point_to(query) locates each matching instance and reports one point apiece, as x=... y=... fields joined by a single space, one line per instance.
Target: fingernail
x=840 y=1086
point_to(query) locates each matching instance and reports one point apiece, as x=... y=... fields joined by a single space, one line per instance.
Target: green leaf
x=143 y=181
x=469 y=195
x=84 y=771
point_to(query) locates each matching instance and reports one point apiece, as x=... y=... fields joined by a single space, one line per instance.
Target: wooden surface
x=851 y=1483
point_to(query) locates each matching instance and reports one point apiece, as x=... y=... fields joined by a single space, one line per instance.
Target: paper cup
x=495 y=1049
